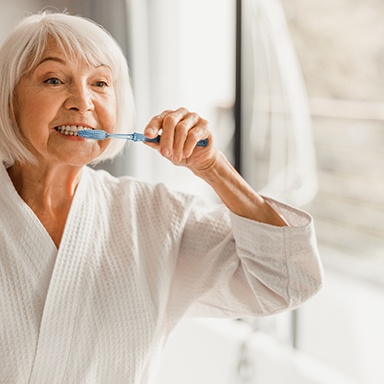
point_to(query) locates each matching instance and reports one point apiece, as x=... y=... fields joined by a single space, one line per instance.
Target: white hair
x=23 y=49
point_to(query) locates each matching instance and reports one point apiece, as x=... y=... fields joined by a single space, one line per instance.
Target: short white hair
x=23 y=49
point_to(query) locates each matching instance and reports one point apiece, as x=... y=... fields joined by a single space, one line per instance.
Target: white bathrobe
x=133 y=259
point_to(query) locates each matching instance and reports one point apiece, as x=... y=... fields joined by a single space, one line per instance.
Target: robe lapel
x=27 y=259
x=24 y=228
x=66 y=289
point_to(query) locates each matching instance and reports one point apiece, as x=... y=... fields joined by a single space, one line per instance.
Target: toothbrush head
x=92 y=134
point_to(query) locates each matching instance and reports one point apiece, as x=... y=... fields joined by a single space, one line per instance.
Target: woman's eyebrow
x=52 y=58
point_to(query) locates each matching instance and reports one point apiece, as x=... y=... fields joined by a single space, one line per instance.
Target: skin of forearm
x=236 y=193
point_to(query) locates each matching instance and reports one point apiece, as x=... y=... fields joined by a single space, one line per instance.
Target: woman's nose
x=80 y=99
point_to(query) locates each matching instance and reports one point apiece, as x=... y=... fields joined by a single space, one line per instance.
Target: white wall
x=343 y=325
x=11 y=11
x=209 y=351
x=191 y=64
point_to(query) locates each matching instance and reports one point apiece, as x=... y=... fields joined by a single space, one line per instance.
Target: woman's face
x=60 y=93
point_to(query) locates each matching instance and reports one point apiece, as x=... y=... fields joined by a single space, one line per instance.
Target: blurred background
x=294 y=91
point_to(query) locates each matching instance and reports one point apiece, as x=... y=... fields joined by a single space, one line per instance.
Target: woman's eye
x=53 y=81
x=101 y=84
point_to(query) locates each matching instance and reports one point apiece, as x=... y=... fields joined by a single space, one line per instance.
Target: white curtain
x=278 y=148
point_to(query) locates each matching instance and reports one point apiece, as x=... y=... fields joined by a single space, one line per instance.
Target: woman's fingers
x=171 y=120
x=180 y=131
x=154 y=126
x=185 y=131
x=198 y=132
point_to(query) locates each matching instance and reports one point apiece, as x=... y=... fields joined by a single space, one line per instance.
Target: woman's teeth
x=70 y=130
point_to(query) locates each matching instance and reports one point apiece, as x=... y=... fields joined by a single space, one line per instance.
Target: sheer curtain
x=278 y=149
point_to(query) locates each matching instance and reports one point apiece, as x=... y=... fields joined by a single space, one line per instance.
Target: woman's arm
x=180 y=131
x=236 y=193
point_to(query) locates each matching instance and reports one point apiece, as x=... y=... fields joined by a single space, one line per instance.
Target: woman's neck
x=48 y=192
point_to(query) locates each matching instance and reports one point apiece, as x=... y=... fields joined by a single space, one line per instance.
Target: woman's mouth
x=70 y=130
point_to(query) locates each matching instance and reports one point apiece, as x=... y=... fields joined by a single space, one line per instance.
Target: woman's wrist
x=236 y=193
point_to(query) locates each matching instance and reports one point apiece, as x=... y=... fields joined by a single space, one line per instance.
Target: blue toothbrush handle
x=146 y=139
x=140 y=137
x=202 y=143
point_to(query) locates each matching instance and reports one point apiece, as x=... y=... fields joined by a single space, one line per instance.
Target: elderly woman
x=95 y=271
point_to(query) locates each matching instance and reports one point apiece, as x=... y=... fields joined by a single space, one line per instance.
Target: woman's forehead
x=61 y=51
x=53 y=49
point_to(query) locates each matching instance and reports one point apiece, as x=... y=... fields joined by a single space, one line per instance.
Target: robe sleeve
x=229 y=266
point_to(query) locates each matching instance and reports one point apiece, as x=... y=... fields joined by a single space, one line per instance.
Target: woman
x=95 y=270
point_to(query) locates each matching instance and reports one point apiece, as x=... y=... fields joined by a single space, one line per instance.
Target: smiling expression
x=59 y=96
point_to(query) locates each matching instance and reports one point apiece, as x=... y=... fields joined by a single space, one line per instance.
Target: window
x=341 y=53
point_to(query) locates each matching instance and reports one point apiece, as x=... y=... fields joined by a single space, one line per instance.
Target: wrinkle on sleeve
x=259 y=269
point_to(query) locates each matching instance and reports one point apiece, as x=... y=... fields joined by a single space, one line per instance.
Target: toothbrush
x=96 y=134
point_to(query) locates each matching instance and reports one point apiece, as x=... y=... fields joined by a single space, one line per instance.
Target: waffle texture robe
x=134 y=258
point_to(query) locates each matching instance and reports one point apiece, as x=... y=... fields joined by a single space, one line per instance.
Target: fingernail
x=150 y=131
x=165 y=152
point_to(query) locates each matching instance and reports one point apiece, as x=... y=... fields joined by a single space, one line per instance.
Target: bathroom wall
x=13 y=11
